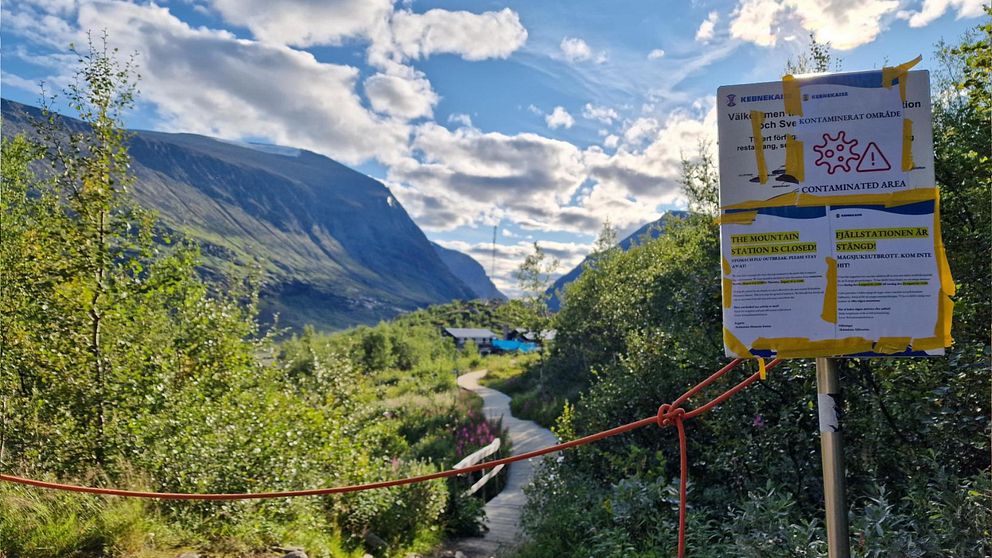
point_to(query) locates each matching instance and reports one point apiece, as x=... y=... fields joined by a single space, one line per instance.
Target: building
x=483 y=338
x=525 y=335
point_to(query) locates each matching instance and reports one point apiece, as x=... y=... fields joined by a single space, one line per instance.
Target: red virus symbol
x=836 y=153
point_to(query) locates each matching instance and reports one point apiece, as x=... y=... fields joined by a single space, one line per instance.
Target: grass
x=47 y=524
x=38 y=523
x=503 y=368
x=520 y=378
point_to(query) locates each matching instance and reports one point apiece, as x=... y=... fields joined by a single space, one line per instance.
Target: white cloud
x=845 y=24
x=463 y=119
x=406 y=97
x=656 y=54
x=559 y=118
x=8 y=79
x=472 y=36
x=640 y=129
x=57 y=7
x=575 y=49
x=753 y=21
x=305 y=22
x=611 y=141
x=606 y=115
x=631 y=183
x=41 y=24
x=210 y=82
x=705 y=32
x=933 y=9
x=394 y=36
x=467 y=177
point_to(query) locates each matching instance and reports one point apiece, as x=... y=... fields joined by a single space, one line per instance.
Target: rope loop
x=667 y=416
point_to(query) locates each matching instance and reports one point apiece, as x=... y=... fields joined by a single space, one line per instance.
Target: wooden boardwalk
x=503 y=511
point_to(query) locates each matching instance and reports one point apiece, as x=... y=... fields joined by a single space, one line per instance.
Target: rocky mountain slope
x=470 y=272
x=335 y=247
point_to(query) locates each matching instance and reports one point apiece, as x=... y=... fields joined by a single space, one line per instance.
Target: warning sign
x=837 y=153
x=830 y=103
x=873 y=160
x=830 y=226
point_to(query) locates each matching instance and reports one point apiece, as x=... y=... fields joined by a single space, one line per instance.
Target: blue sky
x=540 y=118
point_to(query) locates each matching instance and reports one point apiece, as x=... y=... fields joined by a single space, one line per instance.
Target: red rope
x=668 y=415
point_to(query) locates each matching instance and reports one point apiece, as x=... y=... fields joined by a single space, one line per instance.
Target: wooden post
x=832 y=450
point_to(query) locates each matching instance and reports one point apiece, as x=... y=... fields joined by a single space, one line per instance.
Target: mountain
x=653 y=229
x=335 y=247
x=469 y=272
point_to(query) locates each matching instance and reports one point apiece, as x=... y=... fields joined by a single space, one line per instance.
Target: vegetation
x=639 y=327
x=122 y=366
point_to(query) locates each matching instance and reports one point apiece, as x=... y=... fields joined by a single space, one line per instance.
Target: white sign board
x=830 y=231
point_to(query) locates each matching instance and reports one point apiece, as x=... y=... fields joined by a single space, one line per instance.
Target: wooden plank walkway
x=503 y=511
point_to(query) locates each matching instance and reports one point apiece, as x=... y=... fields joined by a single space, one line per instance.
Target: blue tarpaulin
x=514 y=346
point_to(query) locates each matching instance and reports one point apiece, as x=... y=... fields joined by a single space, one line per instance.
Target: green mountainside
x=335 y=247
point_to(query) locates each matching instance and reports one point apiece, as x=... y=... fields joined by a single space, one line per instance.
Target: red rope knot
x=667 y=416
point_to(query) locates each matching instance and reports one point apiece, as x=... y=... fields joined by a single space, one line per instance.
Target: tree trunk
x=95 y=345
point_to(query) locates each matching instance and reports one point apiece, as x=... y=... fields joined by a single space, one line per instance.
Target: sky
x=541 y=119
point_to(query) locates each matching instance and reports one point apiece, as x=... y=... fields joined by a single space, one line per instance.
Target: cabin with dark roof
x=483 y=338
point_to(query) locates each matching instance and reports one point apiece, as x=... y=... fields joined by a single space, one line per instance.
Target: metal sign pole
x=832 y=450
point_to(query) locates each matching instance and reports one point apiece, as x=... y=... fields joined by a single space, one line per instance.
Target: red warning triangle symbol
x=872 y=160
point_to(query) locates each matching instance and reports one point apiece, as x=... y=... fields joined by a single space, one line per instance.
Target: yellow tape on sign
x=829 y=313
x=890 y=345
x=807 y=200
x=942 y=329
x=791 y=96
x=728 y=291
x=735 y=345
x=795 y=166
x=739 y=218
x=907 y=145
x=725 y=264
x=946 y=280
x=899 y=72
x=945 y=306
x=757 y=119
x=802 y=347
